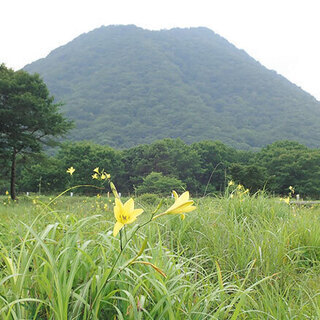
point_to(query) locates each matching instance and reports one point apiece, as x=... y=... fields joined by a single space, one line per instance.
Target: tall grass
x=240 y=257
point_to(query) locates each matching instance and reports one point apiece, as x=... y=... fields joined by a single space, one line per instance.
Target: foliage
x=125 y=86
x=157 y=183
x=240 y=257
x=148 y=199
x=252 y=176
x=287 y=164
x=60 y=278
x=215 y=158
x=29 y=117
x=203 y=168
x=85 y=156
x=45 y=176
x=172 y=157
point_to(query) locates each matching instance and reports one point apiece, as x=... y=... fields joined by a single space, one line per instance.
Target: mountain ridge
x=124 y=85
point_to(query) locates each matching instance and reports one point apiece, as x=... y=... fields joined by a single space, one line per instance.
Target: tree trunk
x=13 y=175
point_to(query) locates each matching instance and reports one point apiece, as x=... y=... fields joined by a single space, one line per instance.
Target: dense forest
x=204 y=167
x=126 y=86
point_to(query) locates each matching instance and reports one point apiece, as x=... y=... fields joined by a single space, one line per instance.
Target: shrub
x=159 y=184
x=148 y=198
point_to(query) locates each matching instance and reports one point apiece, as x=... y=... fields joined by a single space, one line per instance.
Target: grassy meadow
x=235 y=257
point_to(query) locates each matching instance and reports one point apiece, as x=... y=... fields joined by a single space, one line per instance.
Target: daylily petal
x=117 y=211
x=175 y=195
x=182 y=209
x=188 y=209
x=134 y=216
x=137 y=212
x=184 y=197
x=131 y=219
x=117 y=227
x=118 y=203
x=176 y=208
x=129 y=205
x=181 y=205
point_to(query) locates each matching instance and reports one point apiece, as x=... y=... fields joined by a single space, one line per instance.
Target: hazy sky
x=282 y=34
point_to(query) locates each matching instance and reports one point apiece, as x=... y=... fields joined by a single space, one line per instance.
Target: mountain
x=124 y=86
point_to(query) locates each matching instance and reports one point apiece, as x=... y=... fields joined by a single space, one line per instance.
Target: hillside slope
x=124 y=86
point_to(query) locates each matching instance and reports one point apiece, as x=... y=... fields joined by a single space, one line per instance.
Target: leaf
x=151 y=265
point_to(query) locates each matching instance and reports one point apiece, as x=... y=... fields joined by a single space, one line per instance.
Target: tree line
x=203 y=167
x=30 y=119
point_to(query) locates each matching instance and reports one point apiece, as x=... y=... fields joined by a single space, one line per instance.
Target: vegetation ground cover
x=125 y=86
x=236 y=257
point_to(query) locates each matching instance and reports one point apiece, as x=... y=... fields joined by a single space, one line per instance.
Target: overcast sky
x=281 y=34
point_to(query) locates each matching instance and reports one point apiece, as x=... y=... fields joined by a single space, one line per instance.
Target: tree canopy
x=203 y=168
x=29 y=117
x=126 y=86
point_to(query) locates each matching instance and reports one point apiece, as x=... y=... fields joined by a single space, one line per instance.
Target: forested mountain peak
x=124 y=86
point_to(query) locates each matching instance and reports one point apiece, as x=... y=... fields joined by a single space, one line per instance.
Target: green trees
x=280 y=162
x=125 y=86
x=252 y=176
x=202 y=168
x=289 y=163
x=157 y=183
x=171 y=157
x=29 y=117
x=215 y=158
x=85 y=156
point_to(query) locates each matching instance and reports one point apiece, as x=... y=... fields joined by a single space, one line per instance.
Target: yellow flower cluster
x=287 y=199
x=71 y=170
x=100 y=175
x=126 y=214
x=238 y=190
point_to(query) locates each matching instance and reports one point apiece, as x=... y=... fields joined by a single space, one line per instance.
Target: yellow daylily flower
x=108 y=175
x=96 y=170
x=95 y=176
x=231 y=183
x=291 y=189
x=71 y=170
x=7 y=193
x=286 y=200
x=181 y=205
x=124 y=214
x=103 y=176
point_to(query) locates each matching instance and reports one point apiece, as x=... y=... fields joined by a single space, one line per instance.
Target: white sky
x=282 y=34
